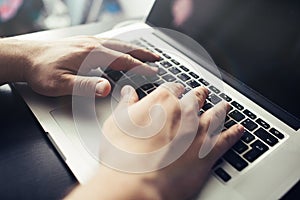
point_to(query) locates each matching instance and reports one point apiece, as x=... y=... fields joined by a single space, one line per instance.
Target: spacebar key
x=235 y=160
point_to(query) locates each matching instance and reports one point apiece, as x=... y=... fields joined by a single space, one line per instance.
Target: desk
x=30 y=168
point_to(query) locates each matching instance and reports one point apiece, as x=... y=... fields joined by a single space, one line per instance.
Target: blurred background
x=26 y=16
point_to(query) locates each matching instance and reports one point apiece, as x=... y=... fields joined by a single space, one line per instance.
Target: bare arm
x=13 y=59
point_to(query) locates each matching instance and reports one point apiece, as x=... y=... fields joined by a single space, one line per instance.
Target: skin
x=51 y=69
x=187 y=174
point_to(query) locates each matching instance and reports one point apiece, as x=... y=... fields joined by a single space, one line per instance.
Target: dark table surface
x=30 y=167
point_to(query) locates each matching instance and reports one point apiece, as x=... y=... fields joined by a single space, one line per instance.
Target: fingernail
x=126 y=91
x=241 y=128
x=154 y=69
x=100 y=87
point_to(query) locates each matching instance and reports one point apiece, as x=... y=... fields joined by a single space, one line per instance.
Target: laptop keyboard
x=258 y=138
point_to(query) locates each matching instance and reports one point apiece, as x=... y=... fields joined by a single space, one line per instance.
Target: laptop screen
x=257 y=42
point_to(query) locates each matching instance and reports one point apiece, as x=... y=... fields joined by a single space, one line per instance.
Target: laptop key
x=225 y=97
x=252 y=155
x=151 y=90
x=159 y=82
x=158 y=50
x=153 y=78
x=183 y=77
x=276 y=133
x=207 y=106
x=166 y=56
x=175 y=62
x=263 y=123
x=115 y=75
x=166 y=64
x=247 y=137
x=227 y=118
x=229 y=124
x=240 y=147
x=214 y=99
x=186 y=90
x=217 y=163
x=237 y=105
x=169 y=78
x=194 y=75
x=140 y=80
x=161 y=71
x=174 y=70
x=236 y=115
x=193 y=83
x=249 y=114
x=147 y=86
x=220 y=172
x=235 y=160
x=258 y=148
x=249 y=124
x=184 y=68
x=204 y=82
x=141 y=94
x=266 y=137
x=214 y=89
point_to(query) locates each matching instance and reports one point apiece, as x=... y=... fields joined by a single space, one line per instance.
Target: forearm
x=14 y=58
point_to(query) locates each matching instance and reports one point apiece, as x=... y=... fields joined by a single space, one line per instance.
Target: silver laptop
x=245 y=53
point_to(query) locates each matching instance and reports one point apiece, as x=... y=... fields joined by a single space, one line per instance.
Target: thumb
x=90 y=86
x=128 y=96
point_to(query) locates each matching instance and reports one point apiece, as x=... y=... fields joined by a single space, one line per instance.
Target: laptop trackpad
x=82 y=123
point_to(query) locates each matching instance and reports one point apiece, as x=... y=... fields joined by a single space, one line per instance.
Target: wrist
x=15 y=59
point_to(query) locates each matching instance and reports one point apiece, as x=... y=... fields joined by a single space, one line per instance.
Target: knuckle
x=128 y=61
x=89 y=46
x=164 y=94
x=85 y=85
x=200 y=95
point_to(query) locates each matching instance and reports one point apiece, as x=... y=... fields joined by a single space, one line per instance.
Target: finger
x=174 y=88
x=128 y=96
x=226 y=140
x=87 y=86
x=215 y=116
x=194 y=100
x=201 y=94
x=134 y=50
x=123 y=62
x=210 y=125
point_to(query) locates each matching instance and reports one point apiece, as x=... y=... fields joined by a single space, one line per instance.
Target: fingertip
x=103 y=88
x=205 y=90
x=236 y=132
x=129 y=95
x=126 y=90
x=240 y=129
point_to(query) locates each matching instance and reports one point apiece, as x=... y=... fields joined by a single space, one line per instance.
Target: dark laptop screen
x=257 y=42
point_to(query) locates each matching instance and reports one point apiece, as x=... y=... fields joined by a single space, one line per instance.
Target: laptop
x=245 y=53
